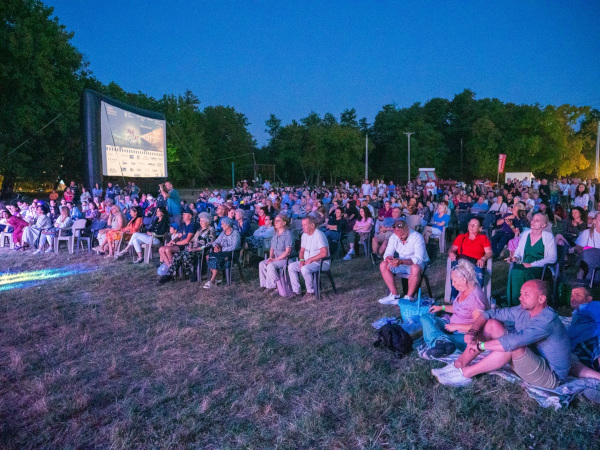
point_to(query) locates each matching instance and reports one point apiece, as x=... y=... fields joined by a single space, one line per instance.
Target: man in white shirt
x=430 y=187
x=366 y=188
x=412 y=259
x=313 y=248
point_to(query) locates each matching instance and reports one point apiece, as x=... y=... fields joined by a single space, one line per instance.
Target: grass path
x=102 y=357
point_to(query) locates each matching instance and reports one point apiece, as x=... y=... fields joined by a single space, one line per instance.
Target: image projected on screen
x=132 y=145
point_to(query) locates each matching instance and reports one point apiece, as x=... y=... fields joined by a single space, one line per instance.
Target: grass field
x=103 y=357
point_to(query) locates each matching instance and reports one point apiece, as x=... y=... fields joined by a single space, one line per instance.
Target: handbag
x=284 y=287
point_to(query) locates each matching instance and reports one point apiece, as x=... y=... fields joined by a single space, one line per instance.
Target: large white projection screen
x=132 y=145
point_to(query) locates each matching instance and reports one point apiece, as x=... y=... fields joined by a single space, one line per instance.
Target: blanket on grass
x=557 y=398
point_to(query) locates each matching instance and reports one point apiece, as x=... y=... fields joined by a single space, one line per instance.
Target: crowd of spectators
x=530 y=224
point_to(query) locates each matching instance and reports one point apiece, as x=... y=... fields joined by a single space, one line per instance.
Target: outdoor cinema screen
x=132 y=145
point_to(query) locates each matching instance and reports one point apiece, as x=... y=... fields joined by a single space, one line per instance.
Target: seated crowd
x=291 y=231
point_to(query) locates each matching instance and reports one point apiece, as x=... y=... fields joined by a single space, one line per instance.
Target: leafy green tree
x=41 y=77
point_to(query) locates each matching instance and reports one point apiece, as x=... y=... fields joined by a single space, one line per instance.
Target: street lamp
x=408 y=133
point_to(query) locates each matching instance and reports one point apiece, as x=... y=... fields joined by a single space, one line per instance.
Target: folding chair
x=6 y=238
x=317 y=277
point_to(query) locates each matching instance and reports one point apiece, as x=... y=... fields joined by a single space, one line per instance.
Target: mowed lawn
x=103 y=357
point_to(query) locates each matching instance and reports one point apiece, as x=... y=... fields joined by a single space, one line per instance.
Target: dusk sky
x=288 y=58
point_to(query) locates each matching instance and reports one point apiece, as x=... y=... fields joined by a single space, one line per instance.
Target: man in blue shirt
x=585 y=333
x=539 y=348
x=480 y=207
x=173 y=201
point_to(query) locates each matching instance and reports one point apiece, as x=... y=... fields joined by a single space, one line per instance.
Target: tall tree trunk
x=8 y=185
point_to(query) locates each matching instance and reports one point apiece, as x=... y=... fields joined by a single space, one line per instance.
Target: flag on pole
x=501 y=162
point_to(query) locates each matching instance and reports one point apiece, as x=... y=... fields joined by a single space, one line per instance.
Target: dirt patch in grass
x=105 y=357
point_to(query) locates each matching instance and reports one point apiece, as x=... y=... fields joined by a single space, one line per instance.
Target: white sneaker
x=38 y=251
x=454 y=378
x=409 y=298
x=49 y=250
x=436 y=372
x=351 y=251
x=348 y=257
x=391 y=299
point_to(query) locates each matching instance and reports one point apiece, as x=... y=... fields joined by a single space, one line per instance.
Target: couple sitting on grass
x=539 y=348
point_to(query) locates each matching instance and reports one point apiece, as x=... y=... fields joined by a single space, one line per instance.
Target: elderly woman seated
x=442 y=335
x=33 y=232
x=187 y=259
x=113 y=236
x=220 y=256
x=281 y=248
x=158 y=227
x=536 y=248
x=48 y=235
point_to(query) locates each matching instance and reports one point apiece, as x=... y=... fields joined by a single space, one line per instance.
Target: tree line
x=42 y=77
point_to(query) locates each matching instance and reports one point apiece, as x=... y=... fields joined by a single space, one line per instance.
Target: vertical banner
x=501 y=162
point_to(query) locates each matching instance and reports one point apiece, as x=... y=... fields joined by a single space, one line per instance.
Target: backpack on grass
x=393 y=337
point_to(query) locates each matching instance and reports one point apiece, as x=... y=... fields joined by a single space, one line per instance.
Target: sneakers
x=408 y=297
x=391 y=299
x=348 y=257
x=436 y=372
x=440 y=349
x=453 y=377
x=38 y=251
x=49 y=250
x=207 y=285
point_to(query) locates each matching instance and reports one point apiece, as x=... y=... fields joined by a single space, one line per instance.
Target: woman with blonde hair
x=444 y=335
x=440 y=220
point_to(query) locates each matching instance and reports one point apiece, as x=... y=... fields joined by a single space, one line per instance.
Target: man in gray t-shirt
x=538 y=349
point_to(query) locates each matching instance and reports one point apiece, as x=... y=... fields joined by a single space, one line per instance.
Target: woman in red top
x=473 y=245
x=68 y=195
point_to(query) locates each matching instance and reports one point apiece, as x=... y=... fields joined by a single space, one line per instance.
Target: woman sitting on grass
x=48 y=236
x=442 y=336
x=220 y=256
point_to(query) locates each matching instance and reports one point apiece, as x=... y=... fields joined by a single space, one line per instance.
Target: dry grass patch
x=104 y=357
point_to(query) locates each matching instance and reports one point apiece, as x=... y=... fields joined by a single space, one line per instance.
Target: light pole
x=408 y=133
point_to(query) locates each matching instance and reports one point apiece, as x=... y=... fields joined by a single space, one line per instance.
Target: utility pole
x=366 y=156
x=408 y=134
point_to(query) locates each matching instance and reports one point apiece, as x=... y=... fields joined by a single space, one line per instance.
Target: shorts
x=404 y=269
x=382 y=237
x=535 y=370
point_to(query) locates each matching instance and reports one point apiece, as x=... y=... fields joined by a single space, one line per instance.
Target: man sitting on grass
x=585 y=334
x=536 y=327
x=313 y=248
x=381 y=239
x=412 y=259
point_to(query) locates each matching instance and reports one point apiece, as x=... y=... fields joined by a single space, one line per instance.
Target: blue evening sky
x=289 y=58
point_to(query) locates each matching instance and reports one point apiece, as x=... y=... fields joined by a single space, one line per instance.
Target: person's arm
x=322 y=254
x=453 y=252
x=419 y=251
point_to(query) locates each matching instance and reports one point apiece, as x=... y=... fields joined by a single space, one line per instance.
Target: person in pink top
x=361 y=230
x=444 y=336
